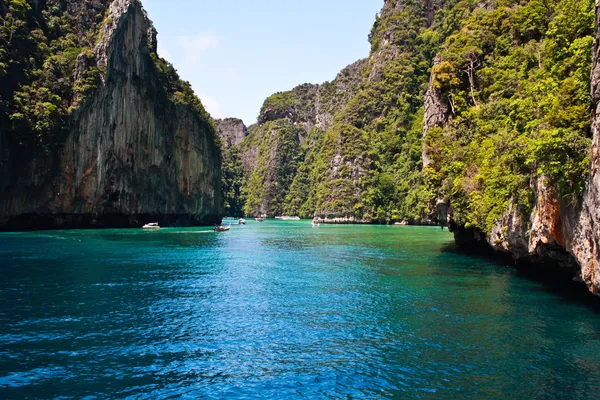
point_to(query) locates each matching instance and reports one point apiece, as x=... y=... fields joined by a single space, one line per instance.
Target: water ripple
x=280 y=310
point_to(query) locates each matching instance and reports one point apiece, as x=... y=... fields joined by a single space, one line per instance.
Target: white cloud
x=195 y=44
x=211 y=105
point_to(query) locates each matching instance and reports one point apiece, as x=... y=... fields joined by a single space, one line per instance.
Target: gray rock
x=132 y=154
x=231 y=131
x=436 y=113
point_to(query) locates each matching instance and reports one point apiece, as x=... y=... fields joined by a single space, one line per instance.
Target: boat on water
x=242 y=221
x=316 y=223
x=286 y=218
x=152 y=225
x=403 y=223
x=222 y=228
x=260 y=219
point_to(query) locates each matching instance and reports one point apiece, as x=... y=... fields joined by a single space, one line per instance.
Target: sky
x=237 y=53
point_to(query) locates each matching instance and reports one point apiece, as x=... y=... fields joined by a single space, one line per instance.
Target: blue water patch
x=282 y=310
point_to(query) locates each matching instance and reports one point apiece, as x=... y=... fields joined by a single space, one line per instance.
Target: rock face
x=132 y=155
x=231 y=131
x=436 y=114
x=374 y=130
x=586 y=239
x=543 y=237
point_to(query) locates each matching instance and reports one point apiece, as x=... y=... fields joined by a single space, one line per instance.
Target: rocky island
x=95 y=128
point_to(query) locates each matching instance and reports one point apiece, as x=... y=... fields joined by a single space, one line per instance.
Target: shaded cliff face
x=137 y=148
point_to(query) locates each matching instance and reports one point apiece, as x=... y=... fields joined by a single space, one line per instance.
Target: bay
x=283 y=310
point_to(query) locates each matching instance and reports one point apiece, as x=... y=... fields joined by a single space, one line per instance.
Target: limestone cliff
x=137 y=148
x=370 y=165
x=557 y=229
x=279 y=152
x=231 y=131
x=436 y=113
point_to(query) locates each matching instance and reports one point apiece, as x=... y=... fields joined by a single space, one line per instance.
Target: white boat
x=315 y=224
x=259 y=219
x=222 y=228
x=286 y=218
x=152 y=225
x=242 y=221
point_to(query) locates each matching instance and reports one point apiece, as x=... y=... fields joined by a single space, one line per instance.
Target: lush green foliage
x=233 y=180
x=300 y=199
x=279 y=155
x=514 y=76
x=38 y=51
x=306 y=107
x=517 y=78
x=380 y=127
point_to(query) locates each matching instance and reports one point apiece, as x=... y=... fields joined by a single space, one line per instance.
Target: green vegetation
x=233 y=180
x=300 y=199
x=378 y=133
x=279 y=155
x=296 y=104
x=517 y=80
x=40 y=49
x=38 y=52
x=514 y=76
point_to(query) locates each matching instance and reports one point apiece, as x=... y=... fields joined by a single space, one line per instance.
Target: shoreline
x=47 y=222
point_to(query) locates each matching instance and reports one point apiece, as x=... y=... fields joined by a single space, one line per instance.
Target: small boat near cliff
x=152 y=225
x=222 y=228
x=286 y=218
x=259 y=219
x=242 y=221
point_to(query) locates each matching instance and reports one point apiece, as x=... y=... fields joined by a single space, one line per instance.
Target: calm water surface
x=282 y=310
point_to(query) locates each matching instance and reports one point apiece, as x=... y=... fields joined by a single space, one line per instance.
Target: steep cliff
x=586 y=239
x=372 y=155
x=232 y=132
x=510 y=157
x=135 y=144
x=280 y=152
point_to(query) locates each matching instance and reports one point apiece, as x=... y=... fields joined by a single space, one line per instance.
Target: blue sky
x=237 y=53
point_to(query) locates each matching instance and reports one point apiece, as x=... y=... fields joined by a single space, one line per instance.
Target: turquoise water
x=282 y=310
